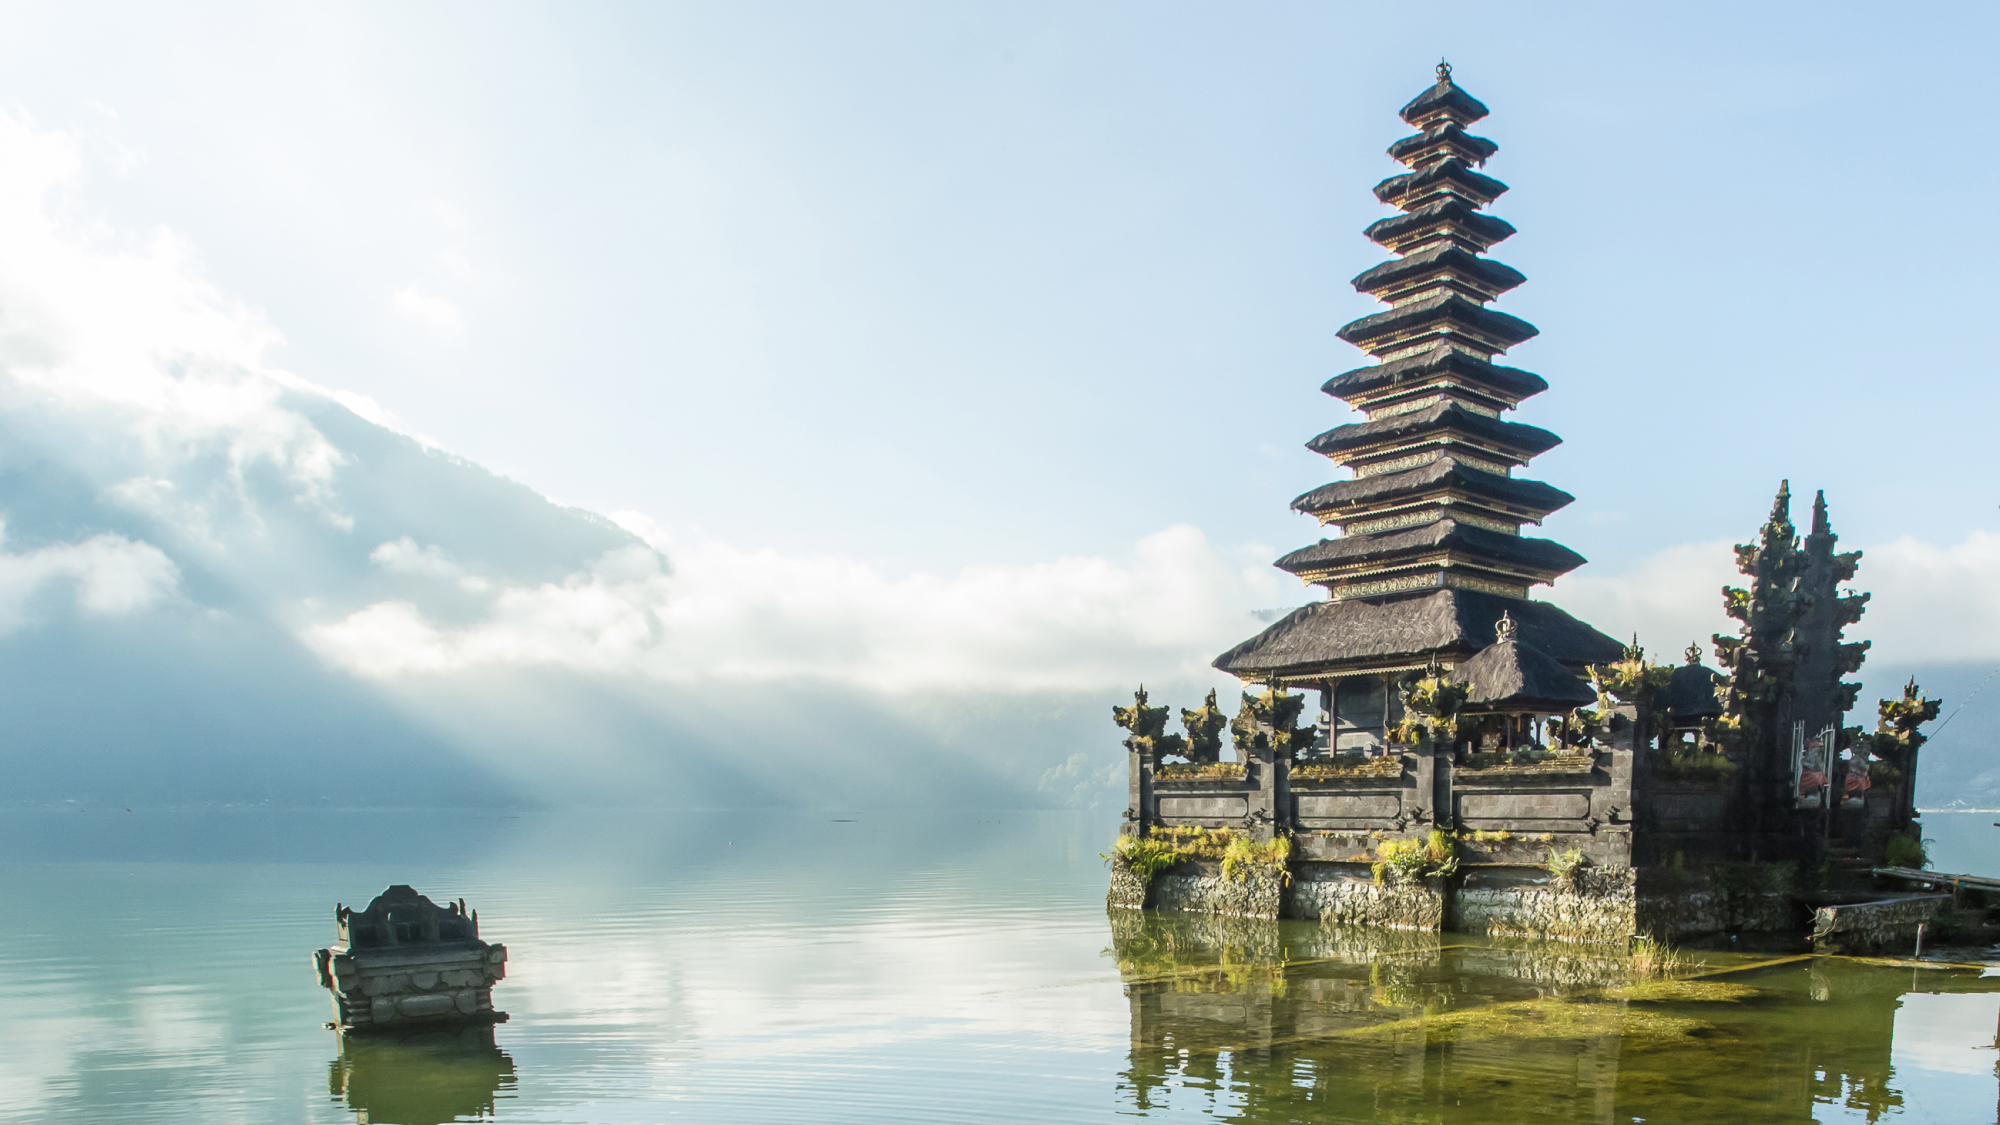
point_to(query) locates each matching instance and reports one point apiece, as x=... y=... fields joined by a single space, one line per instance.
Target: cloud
x=107 y=575
x=1929 y=603
x=404 y=556
x=1669 y=598
x=115 y=334
x=1932 y=603
x=432 y=312
x=1075 y=624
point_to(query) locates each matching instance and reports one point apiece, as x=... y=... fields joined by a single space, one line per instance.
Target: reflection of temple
x=1281 y=1021
x=423 y=1078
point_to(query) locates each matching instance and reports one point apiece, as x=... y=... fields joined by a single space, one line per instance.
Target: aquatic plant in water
x=1651 y=957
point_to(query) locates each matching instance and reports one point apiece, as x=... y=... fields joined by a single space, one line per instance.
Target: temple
x=1482 y=760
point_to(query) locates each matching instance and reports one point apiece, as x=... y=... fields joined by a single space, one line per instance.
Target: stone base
x=1128 y=891
x=1889 y=925
x=1202 y=887
x=1598 y=905
x=1347 y=895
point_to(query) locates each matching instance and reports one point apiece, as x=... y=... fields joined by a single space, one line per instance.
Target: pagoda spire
x=1430 y=554
x=1433 y=501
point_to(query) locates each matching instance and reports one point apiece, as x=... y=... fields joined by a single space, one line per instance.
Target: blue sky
x=880 y=296
x=941 y=284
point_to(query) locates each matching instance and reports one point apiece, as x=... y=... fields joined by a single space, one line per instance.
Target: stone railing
x=1339 y=811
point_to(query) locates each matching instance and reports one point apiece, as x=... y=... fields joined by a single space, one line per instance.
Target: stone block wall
x=1201 y=887
x=1595 y=906
x=1348 y=895
x=1889 y=925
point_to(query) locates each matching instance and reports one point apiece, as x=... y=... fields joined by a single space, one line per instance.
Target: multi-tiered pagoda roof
x=1430 y=553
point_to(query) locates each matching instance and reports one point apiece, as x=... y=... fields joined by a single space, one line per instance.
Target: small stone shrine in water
x=408 y=963
x=1483 y=761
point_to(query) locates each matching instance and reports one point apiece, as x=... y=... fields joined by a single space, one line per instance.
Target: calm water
x=155 y=967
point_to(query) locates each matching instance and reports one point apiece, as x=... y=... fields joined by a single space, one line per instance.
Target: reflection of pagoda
x=1431 y=553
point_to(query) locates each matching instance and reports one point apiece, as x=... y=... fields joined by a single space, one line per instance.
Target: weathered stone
x=1870 y=927
x=1351 y=897
x=406 y=961
x=1204 y=888
x=1128 y=890
x=1595 y=906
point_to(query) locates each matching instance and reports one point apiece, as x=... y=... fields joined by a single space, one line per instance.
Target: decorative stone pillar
x=1140 y=811
x=1267 y=783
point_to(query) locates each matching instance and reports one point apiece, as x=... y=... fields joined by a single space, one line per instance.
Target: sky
x=903 y=349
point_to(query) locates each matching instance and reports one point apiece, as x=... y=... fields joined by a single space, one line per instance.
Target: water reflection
x=1274 y=1021
x=424 y=1078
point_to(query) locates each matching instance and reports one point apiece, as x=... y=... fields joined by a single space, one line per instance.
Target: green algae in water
x=1555 y=1018
x=1684 y=992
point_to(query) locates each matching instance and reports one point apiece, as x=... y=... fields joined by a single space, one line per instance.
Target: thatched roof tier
x=1446 y=481
x=1511 y=676
x=1440 y=368
x=1442 y=427
x=1443 y=265
x=1443 y=102
x=1448 y=178
x=1444 y=542
x=1447 y=318
x=1446 y=138
x=1447 y=220
x=1326 y=640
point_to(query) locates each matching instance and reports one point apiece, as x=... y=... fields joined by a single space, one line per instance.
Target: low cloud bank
x=709 y=611
x=105 y=576
x=1929 y=603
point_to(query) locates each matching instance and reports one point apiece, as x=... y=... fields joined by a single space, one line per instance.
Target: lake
x=155 y=966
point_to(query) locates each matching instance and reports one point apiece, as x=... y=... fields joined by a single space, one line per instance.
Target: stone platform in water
x=406 y=962
x=1592 y=905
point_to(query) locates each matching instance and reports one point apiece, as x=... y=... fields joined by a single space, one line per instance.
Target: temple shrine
x=1482 y=760
x=406 y=963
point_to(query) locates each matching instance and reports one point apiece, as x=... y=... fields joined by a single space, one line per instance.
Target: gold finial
x=1444 y=73
x=1694 y=653
x=1503 y=629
